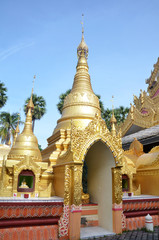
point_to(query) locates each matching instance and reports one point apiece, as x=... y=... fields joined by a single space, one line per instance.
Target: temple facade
x=140 y=140
x=80 y=138
x=80 y=178
x=81 y=135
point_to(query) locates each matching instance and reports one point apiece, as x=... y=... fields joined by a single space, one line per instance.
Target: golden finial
x=113 y=119
x=17 y=131
x=33 y=83
x=82 y=23
x=132 y=111
x=112 y=100
x=30 y=103
x=142 y=96
x=17 y=128
x=82 y=49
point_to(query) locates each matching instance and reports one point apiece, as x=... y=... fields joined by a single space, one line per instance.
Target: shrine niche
x=125 y=183
x=26 y=181
x=26 y=177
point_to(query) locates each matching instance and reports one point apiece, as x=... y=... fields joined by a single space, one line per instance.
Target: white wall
x=100 y=160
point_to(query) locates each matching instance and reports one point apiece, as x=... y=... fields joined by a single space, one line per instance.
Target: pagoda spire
x=26 y=143
x=17 y=131
x=81 y=104
x=30 y=109
x=82 y=78
x=113 y=121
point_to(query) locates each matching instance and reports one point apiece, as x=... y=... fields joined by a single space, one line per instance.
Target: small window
x=125 y=183
x=26 y=181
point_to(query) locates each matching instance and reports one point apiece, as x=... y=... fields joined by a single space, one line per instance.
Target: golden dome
x=146 y=160
x=81 y=104
x=26 y=143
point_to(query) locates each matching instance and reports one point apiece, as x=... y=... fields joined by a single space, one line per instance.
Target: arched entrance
x=103 y=154
x=100 y=161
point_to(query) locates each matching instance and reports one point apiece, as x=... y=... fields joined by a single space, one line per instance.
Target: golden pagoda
x=24 y=165
x=82 y=135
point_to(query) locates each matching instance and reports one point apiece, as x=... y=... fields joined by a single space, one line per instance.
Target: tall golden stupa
x=82 y=135
x=81 y=104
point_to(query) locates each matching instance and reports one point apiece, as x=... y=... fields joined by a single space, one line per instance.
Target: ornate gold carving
x=77 y=184
x=146 y=120
x=147 y=172
x=64 y=222
x=117 y=185
x=154 y=164
x=79 y=98
x=145 y=111
x=27 y=163
x=153 y=80
x=67 y=185
x=96 y=130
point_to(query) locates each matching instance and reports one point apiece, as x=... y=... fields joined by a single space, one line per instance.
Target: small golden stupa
x=24 y=164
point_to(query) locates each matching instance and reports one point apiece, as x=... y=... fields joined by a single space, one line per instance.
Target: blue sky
x=41 y=37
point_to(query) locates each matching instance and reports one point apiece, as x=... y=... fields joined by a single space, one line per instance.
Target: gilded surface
x=117 y=185
x=147 y=172
x=153 y=80
x=29 y=164
x=59 y=180
x=81 y=104
x=77 y=184
x=81 y=139
x=145 y=111
x=67 y=185
x=26 y=143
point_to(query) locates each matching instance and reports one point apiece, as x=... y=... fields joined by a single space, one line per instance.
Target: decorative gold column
x=76 y=207
x=117 y=199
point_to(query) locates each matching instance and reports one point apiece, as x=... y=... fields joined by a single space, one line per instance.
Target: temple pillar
x=117 y=200
x=70 y=221
x=76 y=207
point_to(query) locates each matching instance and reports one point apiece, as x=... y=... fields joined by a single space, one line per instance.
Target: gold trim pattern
x=77 y=185
x=117 y=185
x=67 y=185
x=82 y=139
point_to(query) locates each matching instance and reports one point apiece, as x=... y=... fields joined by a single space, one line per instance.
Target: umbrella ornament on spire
x=82 y=49
x=30 y=104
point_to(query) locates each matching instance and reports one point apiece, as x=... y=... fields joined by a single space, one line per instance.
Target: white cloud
x=14 y=49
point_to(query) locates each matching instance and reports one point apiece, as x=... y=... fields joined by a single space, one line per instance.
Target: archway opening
x=100 y=161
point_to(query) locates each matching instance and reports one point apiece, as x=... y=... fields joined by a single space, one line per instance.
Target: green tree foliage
x=8 y=123
x=40 y=148
x=61 y=100
x=120 y=115
x=3 y=96
x=39 y=107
